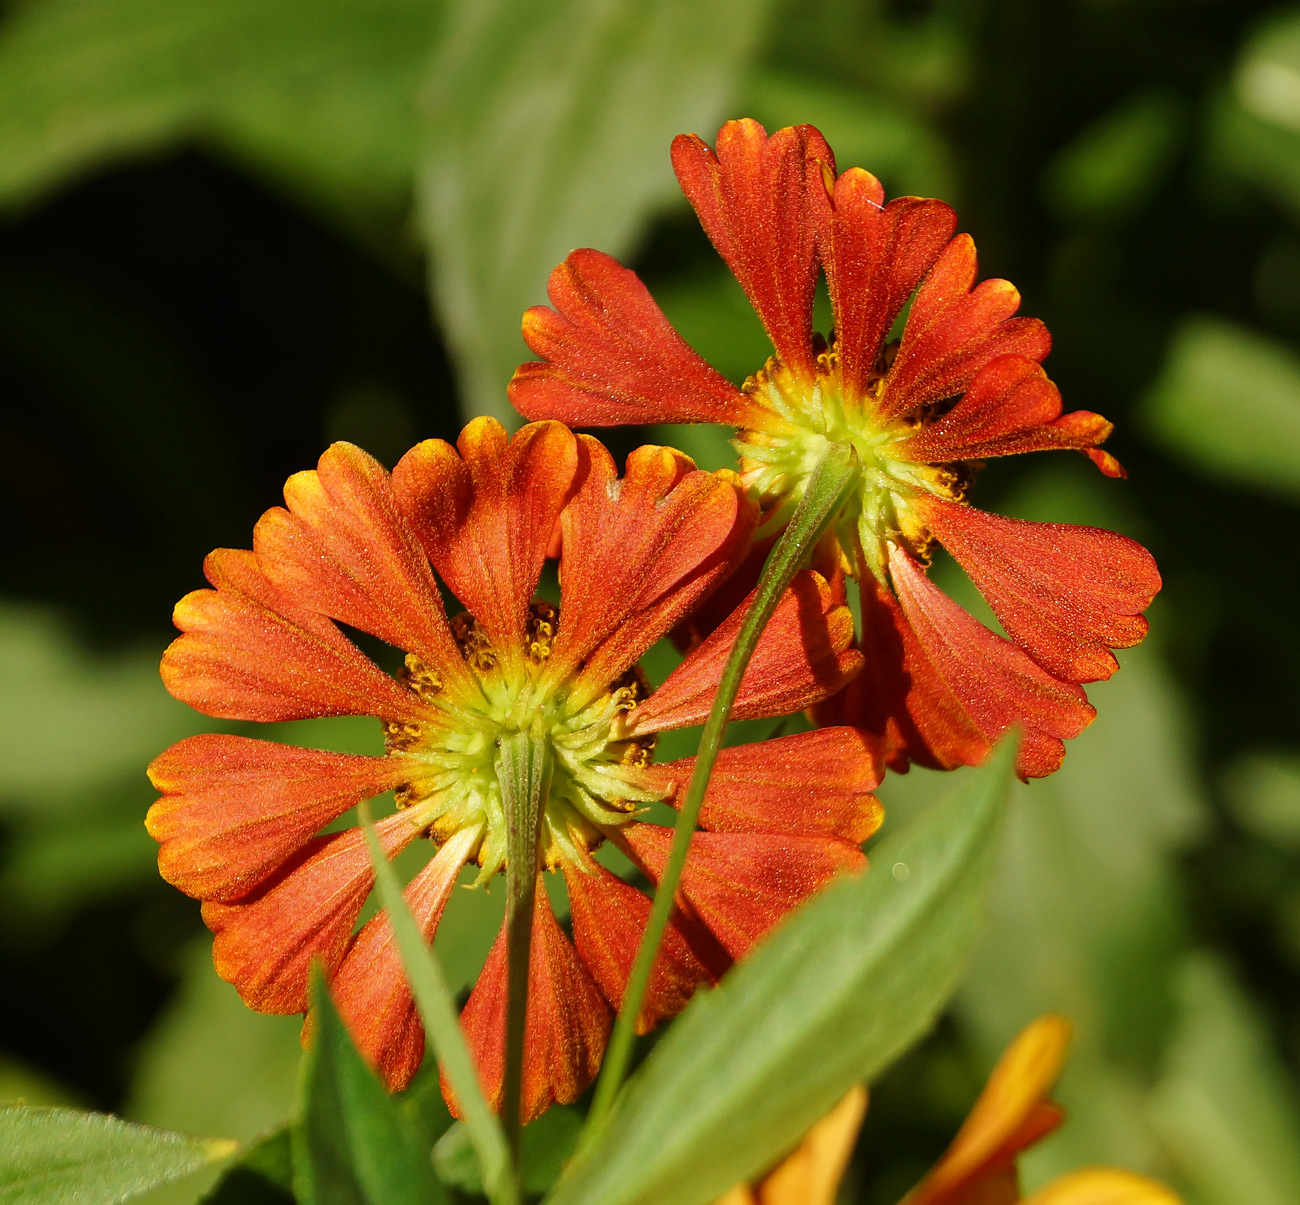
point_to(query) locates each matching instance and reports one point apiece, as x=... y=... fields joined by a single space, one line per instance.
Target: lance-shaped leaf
x=830 y=999
x=353 y=1144
x=51 y=1156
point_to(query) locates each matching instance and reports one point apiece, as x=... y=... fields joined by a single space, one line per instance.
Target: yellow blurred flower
x=979 y=1168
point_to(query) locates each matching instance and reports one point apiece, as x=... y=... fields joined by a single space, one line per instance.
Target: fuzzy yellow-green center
x=776 y=461
x=591 y=747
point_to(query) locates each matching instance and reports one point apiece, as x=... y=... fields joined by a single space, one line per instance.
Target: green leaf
x=52 y=1156
x=261 y=1175
x=317 y=93
x=550 y=129
x=1114 y=165
x=1228 y=402
x=1225 y=1107
x=547 y=1145
x=353 y=1145
x=830 y=999
x=211 y=1064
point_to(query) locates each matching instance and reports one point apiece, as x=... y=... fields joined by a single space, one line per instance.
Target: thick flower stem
x=524 y=766
x=827 y=489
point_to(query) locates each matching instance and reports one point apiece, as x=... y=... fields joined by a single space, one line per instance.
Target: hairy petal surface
x=609 y=918
x=810 y=782
x=371 y=990
x=742 y=884
x=638 y=554
x=1064 y=593
x=248 y=652
x=343 y=549
x=265 y=943
x=954 y=329
x=609 y=356
x=759 y=200
x=566 y=1028
x=994 y=683
x=486 y=511
x=875 y=256
x=802 y=656
x=233 y=809
x=1010 y=407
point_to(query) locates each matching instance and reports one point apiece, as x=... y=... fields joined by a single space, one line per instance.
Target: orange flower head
x=243 y=824
x=961 y=382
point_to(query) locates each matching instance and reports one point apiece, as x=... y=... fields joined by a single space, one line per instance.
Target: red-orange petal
x=802 y=656
x=265 y=944
x=371 y=990
x=953 y=330
x=639 y=553
x=248 y=652
x=875 y=256
x=810 y=782
x=995 y=684
x=233 y=809
x=343 y=549
x=759 y=200
x=609 y=356
x=609 y=918
x=567 y=1025
x=742 y=884
x=1066 y=594
x=485 y=512
x=1010 y=407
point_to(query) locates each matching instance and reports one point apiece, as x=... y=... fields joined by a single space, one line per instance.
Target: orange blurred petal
x=638 y=554
x=248 y=652
x=1010 y=1114
x=811 y=1174
x=265 y=944
x=567 y=1025
x=810 y=782
x=953 y=330
x=1103 y=1186
x=802 y=656
x=371 y=990
x=343 y=549
x=742 y=884
x=609 y=356
x=759 y=199
x=485 y=512
x=875 y=256
x=1066 y=594
x=233 y=809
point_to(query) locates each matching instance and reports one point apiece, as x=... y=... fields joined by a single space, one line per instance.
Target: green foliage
x=1228 y=402
x=58 y=1156
x=547 y=1145
x=352 y=1143
x=831 y=998
x=1227 y=1113
x=551 y=127
x=261 y=1174
x=318 y=94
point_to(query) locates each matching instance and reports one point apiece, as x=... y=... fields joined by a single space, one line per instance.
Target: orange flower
x=979 y=1168
x=1013 y=1113
x=240 y=821
x=961 y=384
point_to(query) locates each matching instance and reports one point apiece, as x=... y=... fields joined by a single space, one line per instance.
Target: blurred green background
x=225 y=227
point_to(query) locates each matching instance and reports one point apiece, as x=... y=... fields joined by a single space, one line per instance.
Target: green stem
x=827 y=488
x=524 y=766
x=437 y=1006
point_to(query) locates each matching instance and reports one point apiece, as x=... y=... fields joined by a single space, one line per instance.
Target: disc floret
x=590 y=742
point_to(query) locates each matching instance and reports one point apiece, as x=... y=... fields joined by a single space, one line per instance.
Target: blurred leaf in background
x=549 y=130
